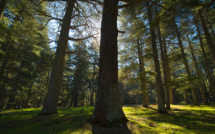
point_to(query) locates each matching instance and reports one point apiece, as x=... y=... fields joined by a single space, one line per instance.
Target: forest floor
x=180 y=119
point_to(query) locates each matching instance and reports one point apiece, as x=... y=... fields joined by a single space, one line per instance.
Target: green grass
x=181 y=119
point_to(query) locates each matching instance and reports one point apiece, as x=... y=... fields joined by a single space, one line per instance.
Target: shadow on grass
x=191 y=120
x=188 y=121
x=75 y=120
x=67 y=120
x=151 y=108
x=21 y=121
x=122 y=129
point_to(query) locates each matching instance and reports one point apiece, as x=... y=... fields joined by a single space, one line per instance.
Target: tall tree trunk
x=52 y=96
x=92 y=93
x=211 y=81
x=210 y=43
x=164 y=64
x=198 y=74
x=171 y=99
x=194 y=95
x=93 y=82
x=108 y=106
x=142 y=75
x=160 y=96
x=76 y=97
x=3 y=4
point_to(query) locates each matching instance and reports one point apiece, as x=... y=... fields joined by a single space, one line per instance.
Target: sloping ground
x=181 y=119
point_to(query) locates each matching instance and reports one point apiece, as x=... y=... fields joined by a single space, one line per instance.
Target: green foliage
x=25 y=57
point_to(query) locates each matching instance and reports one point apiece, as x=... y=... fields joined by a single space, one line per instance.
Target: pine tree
x=108 y=107
x=51 y=100
x=161 y=105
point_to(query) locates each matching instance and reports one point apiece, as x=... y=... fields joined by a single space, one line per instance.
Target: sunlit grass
x=180 y=119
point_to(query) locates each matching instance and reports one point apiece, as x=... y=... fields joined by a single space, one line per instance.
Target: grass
x=181 y=119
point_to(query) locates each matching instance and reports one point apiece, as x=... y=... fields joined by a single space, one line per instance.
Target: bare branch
x=127 y=1
x=90 y=1
x=121 y=31
x=74 y=27
x=44 y=14
x=51 y=1
x=80 y=39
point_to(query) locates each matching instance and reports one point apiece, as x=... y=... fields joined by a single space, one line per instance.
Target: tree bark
x=108 y=108
x=93 y=82
x=194 y=95
x=168 y=72
x=52 y=96
x=122 y=90
x=164 y=64
x=142 y=75
x=160 y=97
x=198 y=74
x=3 y=4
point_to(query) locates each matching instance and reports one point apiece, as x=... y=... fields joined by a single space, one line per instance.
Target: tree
x=194 y=95
x=108 y=107
x=198 y=73
x=94 y=63
x=134 y=45
x=51 y=99
x=166 y=59
x=210 y=78
x=24 y=50
x=161 y=105
x=164 y=64
x=80 y=74
x=142 y=74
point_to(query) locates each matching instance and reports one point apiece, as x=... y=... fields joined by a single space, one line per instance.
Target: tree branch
x=74 y=27
x=44 y=14
x=80 y=39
